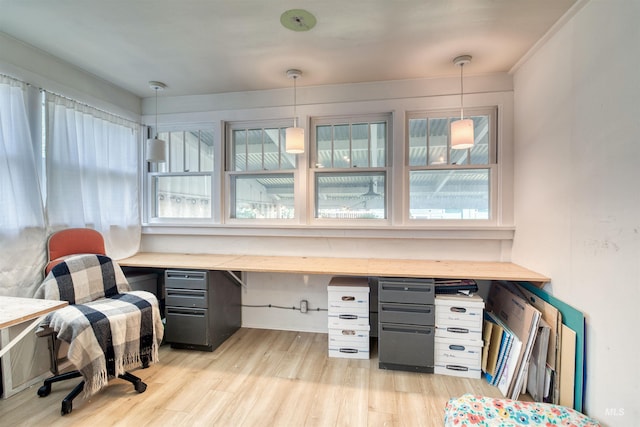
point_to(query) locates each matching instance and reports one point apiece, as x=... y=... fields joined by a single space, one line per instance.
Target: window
x=182 y=187
x=446 y=184
x=350 y=158
x=260 y=174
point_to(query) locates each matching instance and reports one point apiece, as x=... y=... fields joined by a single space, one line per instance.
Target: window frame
x=492 y=165
x=387 y=170
x=230 y=173
x=151 y=172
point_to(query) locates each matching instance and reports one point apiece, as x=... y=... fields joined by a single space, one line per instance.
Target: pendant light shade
x=461 y=131
x=294 y=136
x=156 y=150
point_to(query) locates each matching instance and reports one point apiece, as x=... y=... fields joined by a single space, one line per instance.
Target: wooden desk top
x=14 y=310
x=383 y=267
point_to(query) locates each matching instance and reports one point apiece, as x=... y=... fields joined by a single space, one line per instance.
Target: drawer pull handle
x=457 y=368
x=406 y=330
x=456 y=347
x=348 y=332
x=348 y=350
x=348 y=316
x=458 y=330
x=348 y=298
x=458 y=309
x=406 y=309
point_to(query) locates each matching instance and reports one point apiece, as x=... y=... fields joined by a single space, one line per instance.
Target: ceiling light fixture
x=462 y=130
x=294 y=136
x=156 y=148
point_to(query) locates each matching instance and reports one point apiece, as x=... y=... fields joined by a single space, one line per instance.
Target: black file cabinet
x=407 y=318
x=202 y=308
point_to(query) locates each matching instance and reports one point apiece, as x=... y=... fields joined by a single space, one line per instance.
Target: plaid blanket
x=107 y=336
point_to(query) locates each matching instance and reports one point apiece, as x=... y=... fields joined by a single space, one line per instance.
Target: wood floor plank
x=255 y=378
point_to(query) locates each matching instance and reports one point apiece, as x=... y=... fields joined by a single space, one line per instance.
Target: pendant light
x=462 y=130
x=156 y=148
x=294 y=136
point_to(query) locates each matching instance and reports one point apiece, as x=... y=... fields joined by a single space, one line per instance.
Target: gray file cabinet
x=202 y=308
x=406 y=329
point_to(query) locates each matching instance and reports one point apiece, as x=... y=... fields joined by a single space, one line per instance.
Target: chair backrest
x=83 y=278
x=73 y=241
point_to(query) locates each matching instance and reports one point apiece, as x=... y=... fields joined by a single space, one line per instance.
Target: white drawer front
x=459 y=316
x=457 y=370
x=337 y=308
x=451 y=353
x=356 y=342
x=349 y=321
x=460 y=333
x=348 y=353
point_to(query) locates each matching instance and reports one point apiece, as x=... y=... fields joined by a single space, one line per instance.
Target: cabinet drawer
x=337 y=308
x=186 y=326
x=460 y=333
x=457 y=370
x=452 y=352
x=348 y=353
x=349 y=321
x=185 y=279
x=459 y=316
x=349 y=299
x=186 y=298
x=412 y=314
x=405 y=345
x=412 y=291
x=359 y=339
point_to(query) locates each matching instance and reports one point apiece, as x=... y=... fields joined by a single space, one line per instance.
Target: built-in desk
x=384 y=267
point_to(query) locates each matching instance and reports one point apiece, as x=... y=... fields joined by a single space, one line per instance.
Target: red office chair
x=72 y=241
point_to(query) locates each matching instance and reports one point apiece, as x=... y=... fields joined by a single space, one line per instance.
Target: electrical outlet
x=304 y=306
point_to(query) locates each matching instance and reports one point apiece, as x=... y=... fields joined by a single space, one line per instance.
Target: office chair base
x=67 y=402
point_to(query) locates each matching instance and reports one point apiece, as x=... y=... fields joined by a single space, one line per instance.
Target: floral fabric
x=470 y=410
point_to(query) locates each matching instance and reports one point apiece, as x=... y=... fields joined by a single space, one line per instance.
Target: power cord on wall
x=282 y=307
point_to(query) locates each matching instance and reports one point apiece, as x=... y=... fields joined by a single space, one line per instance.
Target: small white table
x=15 y=311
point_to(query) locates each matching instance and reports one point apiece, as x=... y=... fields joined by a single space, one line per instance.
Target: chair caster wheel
x=44 y=390
x=67 y=407
x=140 y=386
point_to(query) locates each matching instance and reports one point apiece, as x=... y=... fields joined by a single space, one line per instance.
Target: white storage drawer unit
x=458 y=341
x=348 y=317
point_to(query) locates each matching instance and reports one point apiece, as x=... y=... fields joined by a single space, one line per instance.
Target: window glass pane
x=480 y=150
x=378 y=144
x=206 y=151
x=323 y=146
x=239 y=144
x=350 y=195
x=360 y=145
x=271 y=149
x=438 y=141
x=449 y=194
x=183 y=196
x=262 y=196
x=417 y=142
x=341 y=152
x=191 y=151
x=176 y=151
x=254 y=149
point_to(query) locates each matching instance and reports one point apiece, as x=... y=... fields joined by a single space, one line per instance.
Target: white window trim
x=387 y=117
x=494 y=167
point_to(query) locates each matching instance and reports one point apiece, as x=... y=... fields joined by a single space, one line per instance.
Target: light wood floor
x=256 y=378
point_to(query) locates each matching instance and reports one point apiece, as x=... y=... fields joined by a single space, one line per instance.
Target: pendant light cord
x=156 y=113
x=295 y=116
x=461 y=93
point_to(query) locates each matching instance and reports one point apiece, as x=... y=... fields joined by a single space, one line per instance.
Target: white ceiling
x=215 y=46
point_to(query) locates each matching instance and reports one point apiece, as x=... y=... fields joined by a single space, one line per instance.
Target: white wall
x=577 y=202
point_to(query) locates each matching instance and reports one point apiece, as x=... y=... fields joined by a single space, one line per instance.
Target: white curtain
x=22 y=223
x=92 y=173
